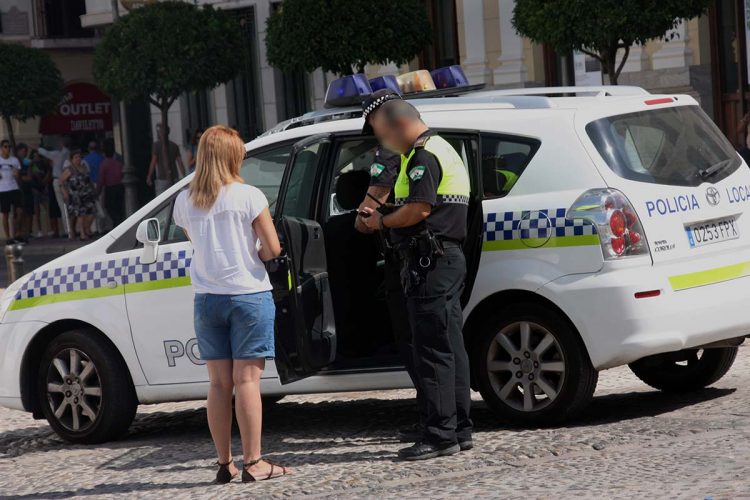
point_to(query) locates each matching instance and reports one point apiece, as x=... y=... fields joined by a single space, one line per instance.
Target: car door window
x=265 y=169
x=300 y=187
x=504 y=158
x=351 y=175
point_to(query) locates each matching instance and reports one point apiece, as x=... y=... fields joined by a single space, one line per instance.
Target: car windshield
x=677 y=146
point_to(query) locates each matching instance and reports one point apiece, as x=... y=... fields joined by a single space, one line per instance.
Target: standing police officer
x=432 y=192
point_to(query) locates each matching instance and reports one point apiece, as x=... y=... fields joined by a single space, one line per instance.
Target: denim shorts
x=234 y=326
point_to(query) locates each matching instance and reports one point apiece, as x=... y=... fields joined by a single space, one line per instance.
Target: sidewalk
x=39 y=251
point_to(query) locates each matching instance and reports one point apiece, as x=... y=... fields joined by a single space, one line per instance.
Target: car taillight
x=620 y=231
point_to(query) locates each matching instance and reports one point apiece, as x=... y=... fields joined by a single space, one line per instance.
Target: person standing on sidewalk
x=58 y=157
x=109 y=186
x=234 y=310
x=432 y=191
x=10 y=194
x=166 y=175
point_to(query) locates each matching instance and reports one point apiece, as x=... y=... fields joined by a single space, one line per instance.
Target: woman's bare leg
x=249 y=409
x=220 y=408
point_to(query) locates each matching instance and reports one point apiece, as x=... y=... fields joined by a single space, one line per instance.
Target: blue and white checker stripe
x=525 y=224
x=96 y=275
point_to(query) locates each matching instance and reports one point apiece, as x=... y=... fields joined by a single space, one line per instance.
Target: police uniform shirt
x=384 y=168
x=446 y=220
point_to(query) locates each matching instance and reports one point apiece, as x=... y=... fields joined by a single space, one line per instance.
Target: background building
x=707 y=58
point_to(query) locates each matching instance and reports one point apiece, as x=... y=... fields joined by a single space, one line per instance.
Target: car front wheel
x=686 y=370
x=531 y=367
x=85 y=389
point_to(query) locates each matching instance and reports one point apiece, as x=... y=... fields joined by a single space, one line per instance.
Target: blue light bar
x=385 y=82
x=449 y=76
x=347 y=91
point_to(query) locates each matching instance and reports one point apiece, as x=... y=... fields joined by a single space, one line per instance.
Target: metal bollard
x=14 y=261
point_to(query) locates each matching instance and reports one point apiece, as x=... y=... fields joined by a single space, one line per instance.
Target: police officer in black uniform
x=383 y=173
x=427 y=229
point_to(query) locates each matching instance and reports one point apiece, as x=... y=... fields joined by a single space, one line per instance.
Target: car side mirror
x=149 y=234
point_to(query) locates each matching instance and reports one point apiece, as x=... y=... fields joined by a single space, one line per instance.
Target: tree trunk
x=609 y=61
x=11 y=137
x=164 y=139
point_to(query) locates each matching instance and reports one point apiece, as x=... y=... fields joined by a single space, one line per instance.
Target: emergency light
x=415 y=81
x=449 y=76
x=385 y=82
x=347 y=91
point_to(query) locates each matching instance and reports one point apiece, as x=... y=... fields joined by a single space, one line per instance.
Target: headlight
x=9 y=295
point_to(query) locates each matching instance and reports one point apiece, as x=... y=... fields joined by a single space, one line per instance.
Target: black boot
x=423 y=451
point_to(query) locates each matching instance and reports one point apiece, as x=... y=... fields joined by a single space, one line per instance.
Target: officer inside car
x=426 y=230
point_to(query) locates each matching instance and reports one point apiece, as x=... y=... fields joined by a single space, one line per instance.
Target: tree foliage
x=337 y=35
x=30 y=84
x=600 y=28
x=163 y=49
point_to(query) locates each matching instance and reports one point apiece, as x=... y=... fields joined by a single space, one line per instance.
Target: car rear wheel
x=85 y=389
x=531 y=367
x=686 y=370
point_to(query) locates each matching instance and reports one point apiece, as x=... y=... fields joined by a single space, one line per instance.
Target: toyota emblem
x=712 y=196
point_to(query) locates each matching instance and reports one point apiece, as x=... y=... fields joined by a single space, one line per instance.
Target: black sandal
x=249 y=478
x=223 y=476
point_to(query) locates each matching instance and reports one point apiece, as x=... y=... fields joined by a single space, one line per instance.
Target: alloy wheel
x=74 y=391
x=526 y=366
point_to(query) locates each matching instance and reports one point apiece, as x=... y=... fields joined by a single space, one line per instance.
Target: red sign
x=83 y=108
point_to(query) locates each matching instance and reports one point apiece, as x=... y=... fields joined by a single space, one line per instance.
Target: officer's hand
x=373 y=221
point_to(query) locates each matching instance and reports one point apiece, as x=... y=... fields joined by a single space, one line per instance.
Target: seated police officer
x=432 y=192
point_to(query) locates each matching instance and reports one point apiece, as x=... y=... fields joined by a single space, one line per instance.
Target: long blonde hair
x=217 y=163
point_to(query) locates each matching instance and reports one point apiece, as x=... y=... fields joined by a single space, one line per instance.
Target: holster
x=418 y=255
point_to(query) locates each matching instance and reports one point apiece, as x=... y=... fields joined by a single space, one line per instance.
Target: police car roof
x=347 y=119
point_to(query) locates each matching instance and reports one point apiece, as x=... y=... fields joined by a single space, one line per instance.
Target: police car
x=607 y=227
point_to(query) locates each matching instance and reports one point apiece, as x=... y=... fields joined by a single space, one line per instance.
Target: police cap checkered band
x=373 y=102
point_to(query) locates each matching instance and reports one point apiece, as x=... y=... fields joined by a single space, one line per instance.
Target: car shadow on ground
x=300 y=433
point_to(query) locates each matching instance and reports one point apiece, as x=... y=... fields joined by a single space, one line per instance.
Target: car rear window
x=677 y=146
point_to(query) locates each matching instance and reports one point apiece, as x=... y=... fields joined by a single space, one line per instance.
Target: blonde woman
x=232 y=233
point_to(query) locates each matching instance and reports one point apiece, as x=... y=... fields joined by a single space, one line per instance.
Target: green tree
x=163 y=49
x=337 y=35
x=30 y=84
x=600 y=28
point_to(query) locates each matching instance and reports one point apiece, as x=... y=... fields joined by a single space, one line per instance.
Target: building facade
x=706 y=57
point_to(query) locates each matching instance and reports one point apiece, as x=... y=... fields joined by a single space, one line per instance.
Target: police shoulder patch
x=416 y=173
x=376 y=169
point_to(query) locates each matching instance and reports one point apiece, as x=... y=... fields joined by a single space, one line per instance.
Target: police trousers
x=399 y=315
x=440 y=359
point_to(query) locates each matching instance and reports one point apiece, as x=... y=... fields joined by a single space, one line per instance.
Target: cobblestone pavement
x=632 y=443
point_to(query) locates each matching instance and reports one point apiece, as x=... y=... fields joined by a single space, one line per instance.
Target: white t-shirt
x=8 y=168
x=225 y=247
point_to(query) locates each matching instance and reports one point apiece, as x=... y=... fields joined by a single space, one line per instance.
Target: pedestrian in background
x=233 y=308
x=41 y=179
x=94 y=160
x=79 y=194
x=25 y=183
x=193 y=149
x=10 y=194
x=58 y=217
x=168 y=174
x=109 y=185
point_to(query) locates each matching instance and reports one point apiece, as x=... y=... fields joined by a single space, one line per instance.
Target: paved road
x=632 y=443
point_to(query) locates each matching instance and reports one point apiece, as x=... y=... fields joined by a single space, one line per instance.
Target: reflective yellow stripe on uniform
x=454 y=185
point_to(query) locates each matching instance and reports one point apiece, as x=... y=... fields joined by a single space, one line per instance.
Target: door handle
x=111 y=284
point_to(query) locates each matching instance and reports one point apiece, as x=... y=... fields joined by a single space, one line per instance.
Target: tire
x=272 y=400
x=560 y=374
x=95 y=402
x=685 y=371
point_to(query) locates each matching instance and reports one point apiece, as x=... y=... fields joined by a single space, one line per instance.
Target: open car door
x=305 y=327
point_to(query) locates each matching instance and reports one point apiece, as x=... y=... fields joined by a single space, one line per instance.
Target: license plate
x=712 y=231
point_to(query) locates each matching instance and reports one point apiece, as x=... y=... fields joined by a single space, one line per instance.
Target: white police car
x=607 y=226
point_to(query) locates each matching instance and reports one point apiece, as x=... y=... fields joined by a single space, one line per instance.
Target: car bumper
x=14 y=339
x=617 y=328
